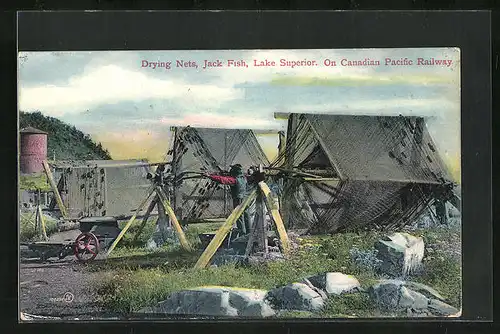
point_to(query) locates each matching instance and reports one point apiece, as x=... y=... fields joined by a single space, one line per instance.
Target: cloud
x=123 y=97
x=416 y=107
x=223 y=121
x=112 y=84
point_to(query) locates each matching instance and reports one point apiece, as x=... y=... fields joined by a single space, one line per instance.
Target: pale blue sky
x=108 y=93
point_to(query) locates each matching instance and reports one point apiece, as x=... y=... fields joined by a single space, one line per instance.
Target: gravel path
x=60 y=288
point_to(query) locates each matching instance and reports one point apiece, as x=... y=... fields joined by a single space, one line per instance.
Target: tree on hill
x=64 y=141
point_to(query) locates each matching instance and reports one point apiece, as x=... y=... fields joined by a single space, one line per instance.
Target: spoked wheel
x=86 y=247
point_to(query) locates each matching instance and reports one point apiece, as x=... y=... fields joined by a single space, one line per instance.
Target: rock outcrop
x=297 y=297
x=396 y=295
x=335 y=283
x=400 y=254
x=215 y=301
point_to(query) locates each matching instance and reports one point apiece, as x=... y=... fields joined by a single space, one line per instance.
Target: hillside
x=65 y=142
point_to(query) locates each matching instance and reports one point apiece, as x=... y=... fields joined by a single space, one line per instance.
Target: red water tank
x=33 y=148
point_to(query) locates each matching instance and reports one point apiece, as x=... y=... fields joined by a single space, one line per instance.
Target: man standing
x=238 y=183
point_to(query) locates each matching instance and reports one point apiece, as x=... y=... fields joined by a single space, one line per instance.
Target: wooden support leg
x=271 y=207
x=253 y=234
x=37 y=222
x=42 y=223
x=146 y=217
x=124 y=230
x=168 y=209
x=53 y=186
x=223 y=231
x=259 y=234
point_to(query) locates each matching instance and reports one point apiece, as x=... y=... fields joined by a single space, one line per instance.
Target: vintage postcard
x=240 y=184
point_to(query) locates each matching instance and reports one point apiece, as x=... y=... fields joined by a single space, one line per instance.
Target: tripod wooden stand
x=258 y=233
x=160 y=199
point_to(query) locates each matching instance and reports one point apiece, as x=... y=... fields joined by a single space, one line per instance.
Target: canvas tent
x=379 y=171
x=214 y=151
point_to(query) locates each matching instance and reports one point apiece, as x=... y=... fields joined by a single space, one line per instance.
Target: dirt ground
x=59 y=288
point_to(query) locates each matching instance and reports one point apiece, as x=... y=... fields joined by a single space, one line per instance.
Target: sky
x=129 y=106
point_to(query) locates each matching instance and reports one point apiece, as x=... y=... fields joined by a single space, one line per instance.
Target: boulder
x=452 y=211
x=386 y=294
x=400 y=254
x=425 y=290
x=335 y=283
x=440 y=308
x=296 y=296
x=319 y=291
x=395 y=296
x=215 y=301
x=409 y=299
x=416 y=298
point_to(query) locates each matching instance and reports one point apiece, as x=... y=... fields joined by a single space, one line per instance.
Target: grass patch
x=358 y=305
x=34 y=182
x=27 y=231
x=144 y=278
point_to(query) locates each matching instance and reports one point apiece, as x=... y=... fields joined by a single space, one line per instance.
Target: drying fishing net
x=103 y=190
x=383 y=171
x=209 y=150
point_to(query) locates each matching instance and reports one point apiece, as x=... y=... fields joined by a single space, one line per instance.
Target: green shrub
x=27 y=231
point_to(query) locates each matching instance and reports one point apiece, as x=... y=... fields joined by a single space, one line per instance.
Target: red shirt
x=223 y=179
x=231 y=180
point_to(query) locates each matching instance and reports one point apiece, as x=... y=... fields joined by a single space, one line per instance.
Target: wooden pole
x=173 y=167
x=42 y=222
x=168 y=209
x=223 y=231
x=60 y=187
x=262 y=221
x=327 y=153
x=146 y=217
x=105 y=186
x=258 y=234
x=124 y=230
x=271 y=208
x=37 y=221
x=53 y=186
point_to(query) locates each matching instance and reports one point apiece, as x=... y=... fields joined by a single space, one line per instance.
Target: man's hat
x=236 y=169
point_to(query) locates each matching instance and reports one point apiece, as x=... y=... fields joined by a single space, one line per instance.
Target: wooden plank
x=131 y=164
x=318 y=179
x=105 y=200
x=53 y=185
x=174 y=166
x=124 y=230
x=256 y=227
x=146 y=217
x=271 y=207
x=223 y=232
x=42 y=222
x=327 y=152
x=168 y=209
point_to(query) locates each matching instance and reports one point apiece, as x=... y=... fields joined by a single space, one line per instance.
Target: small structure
x=33 y=150
x=211 y=150
x=101 y=187
x=374 y=171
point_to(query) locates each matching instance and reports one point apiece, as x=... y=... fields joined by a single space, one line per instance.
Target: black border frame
x=470 y=31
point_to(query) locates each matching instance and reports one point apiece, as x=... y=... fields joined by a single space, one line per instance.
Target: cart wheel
x=86 y=247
